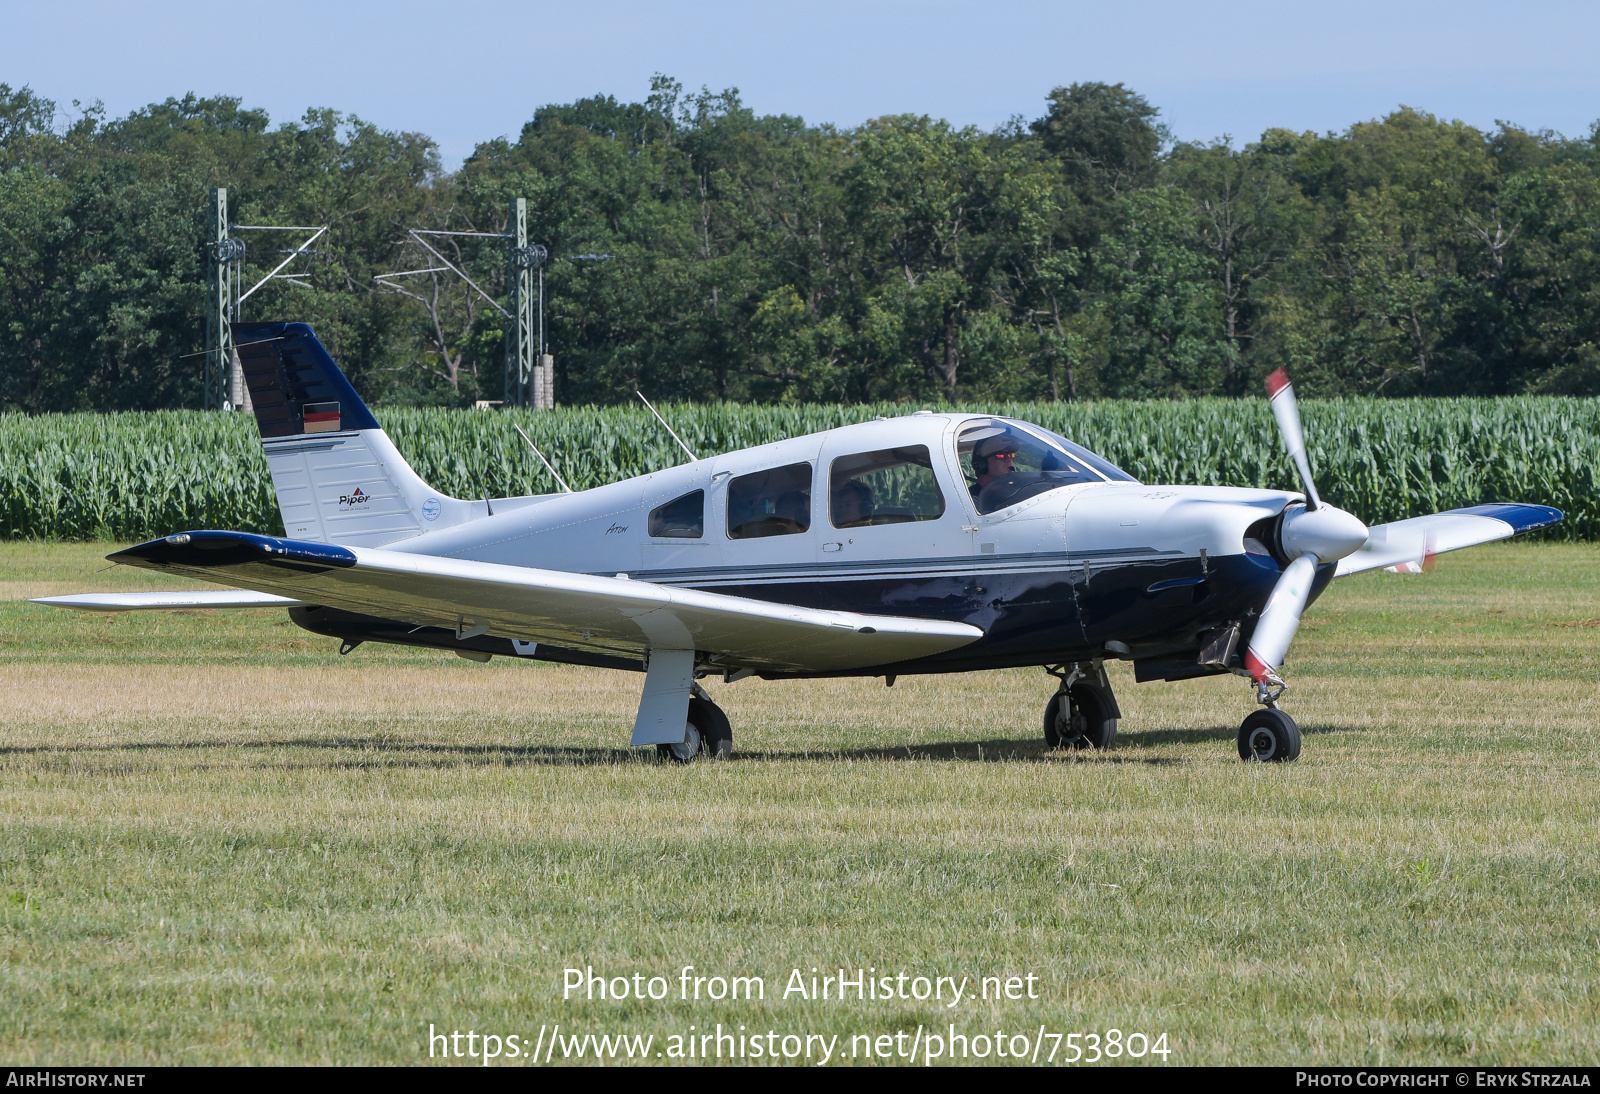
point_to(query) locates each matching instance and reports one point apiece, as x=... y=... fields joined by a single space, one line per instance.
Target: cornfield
x=137 y=476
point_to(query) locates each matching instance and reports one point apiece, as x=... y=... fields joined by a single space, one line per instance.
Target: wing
x=135 y=602
x=606 y=614
x=1410 y=541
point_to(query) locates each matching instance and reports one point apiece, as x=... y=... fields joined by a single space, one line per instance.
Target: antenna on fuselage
x=663 y=422
x=542 y=460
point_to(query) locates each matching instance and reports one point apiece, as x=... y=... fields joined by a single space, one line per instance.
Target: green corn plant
x=135 y=476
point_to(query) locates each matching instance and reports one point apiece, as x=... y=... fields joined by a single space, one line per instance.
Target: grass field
x=224 y=843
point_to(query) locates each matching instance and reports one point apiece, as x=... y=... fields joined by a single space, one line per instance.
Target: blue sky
x=475 y=69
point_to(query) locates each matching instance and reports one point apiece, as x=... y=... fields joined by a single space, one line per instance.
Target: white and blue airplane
x=930 y=543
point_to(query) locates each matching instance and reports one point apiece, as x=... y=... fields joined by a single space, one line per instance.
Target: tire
x=1269 y=736
x=717 y=736
x=706 y=733
x=1089 y=723
x=1052 y=729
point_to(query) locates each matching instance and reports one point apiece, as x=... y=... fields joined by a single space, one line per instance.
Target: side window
x=770 y=503
x=891 y=486
x=680 y=518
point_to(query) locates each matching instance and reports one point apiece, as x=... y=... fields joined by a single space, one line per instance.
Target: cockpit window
x=1008 y=462
x=1099 y=463
x=680 y=518
x=770 y=503
x=891 y=486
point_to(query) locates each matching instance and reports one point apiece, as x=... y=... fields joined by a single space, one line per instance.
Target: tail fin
x=338 y=477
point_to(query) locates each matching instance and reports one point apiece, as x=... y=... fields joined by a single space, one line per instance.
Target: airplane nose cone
x=1326 y=532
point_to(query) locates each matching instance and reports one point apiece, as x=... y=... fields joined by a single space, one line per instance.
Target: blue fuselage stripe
x=1030 y=611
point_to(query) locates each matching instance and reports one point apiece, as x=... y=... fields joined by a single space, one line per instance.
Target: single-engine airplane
x=930 y=543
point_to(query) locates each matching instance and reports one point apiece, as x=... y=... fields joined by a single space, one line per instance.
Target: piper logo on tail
x=354 y=498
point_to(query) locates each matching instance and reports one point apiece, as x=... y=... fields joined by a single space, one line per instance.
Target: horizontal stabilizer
x=145 y=602
x=606 y=614
x=1406 y=543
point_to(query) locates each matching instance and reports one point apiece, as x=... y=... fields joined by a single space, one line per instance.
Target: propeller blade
x=1280 y=619
x=1280 y=392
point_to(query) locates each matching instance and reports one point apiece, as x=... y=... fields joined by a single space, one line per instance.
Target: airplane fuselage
x=1085 y=570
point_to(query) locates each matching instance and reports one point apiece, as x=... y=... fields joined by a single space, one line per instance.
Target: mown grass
x=224 y=843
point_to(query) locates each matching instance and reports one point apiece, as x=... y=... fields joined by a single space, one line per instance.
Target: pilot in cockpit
x=991 y=458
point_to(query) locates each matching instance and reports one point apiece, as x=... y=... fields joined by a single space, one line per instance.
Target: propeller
x=1279 y=621
x=1280 y=393
x=1311 y=536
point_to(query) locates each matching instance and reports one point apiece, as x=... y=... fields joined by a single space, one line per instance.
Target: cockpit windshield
x=1007 y=462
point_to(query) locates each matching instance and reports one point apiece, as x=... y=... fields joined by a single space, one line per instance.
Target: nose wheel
x=1269 y=736
x=707 y=733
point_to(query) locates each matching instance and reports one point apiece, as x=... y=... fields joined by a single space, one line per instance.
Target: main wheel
x=707 y=732
x=1269 y=735
x=1085 y=723
x=717 y=736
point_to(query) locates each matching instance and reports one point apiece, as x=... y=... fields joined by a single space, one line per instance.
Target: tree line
x=699 y=251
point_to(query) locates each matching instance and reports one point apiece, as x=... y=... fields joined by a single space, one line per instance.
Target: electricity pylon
x=527 y=383
x=529 y=371
x=224 y=380
x=225 y=259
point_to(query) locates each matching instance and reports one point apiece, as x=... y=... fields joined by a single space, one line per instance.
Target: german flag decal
x=322 y=417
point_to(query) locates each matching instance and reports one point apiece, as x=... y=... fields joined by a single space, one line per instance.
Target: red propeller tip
x=1257 y=668
x=1276 y=383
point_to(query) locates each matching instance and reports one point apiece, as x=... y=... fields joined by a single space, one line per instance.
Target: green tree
x=1249 y=220
x=1105 y=135
x=760 y=258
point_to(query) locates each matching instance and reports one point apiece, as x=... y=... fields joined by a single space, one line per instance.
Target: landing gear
x=707 y=733
x=1083 y=713
x=1270 y=736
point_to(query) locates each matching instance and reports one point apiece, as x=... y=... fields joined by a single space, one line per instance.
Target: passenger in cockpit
x=852 y=504
x=794 y=509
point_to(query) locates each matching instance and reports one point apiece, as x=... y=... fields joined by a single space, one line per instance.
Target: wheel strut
x=1083 y=713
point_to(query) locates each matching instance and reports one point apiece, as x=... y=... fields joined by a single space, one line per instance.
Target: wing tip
x=1521 y=516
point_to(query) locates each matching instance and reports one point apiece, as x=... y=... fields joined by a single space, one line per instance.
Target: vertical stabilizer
x=337 y=476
